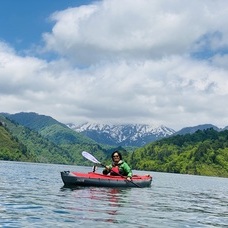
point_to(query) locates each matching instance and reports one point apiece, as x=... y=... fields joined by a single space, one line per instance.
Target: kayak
x=99 y=180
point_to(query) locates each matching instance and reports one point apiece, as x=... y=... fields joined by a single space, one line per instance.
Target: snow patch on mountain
x=123 y=134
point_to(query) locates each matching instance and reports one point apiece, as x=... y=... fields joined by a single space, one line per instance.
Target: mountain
x=49 y=128
x=124 y=134
x=19 y=143
x=49 y=141
x=191 y=130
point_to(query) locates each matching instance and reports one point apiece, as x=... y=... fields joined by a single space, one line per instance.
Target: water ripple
x=32 y=195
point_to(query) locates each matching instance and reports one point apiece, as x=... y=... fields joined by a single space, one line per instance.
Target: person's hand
x=128 y=178
x=107 y=167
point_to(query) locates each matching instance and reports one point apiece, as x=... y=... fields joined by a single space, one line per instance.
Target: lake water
x=32 y=195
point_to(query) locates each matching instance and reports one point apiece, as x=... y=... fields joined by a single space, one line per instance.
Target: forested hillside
x=36 y=148
x=202 y=153
x=54 y=143
x=49 y=128
x=10 y=148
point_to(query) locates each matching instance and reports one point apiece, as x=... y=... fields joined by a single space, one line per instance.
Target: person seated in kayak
x=118 y=166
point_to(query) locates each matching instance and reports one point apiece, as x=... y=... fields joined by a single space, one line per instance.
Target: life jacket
x=115 y=171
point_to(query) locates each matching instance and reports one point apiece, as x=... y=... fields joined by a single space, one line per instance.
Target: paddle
x=94 y=160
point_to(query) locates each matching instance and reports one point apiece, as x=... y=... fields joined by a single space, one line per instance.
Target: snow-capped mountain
x=123 y=135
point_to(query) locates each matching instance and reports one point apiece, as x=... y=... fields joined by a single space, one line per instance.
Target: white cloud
x=112 y=30
x=126 y=61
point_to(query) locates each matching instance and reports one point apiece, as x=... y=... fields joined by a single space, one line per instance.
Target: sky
x=156 y=62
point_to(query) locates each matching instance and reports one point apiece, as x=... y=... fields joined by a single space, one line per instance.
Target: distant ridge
x=48 y=127
x=33 y=120
x=135 y=135
x=191 y=130
x=123 y=134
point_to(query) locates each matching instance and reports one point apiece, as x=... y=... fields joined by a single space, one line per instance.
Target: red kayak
x=100 y=180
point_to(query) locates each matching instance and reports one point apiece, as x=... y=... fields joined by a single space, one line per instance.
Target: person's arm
x=107 y=170
x=127 y=170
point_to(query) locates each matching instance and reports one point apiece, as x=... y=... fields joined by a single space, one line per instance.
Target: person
x=118 y=167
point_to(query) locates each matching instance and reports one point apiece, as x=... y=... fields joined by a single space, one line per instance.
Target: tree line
x=203 y=153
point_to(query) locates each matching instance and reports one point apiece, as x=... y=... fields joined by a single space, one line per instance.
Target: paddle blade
x=90 y=157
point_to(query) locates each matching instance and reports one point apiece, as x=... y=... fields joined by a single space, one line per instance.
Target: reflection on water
x=96 y=200
x=32 y=195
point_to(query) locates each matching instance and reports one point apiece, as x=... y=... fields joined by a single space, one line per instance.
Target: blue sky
x=116 y=61
x=23 y=22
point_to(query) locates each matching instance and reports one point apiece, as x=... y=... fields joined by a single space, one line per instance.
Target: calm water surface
x=32 y=195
